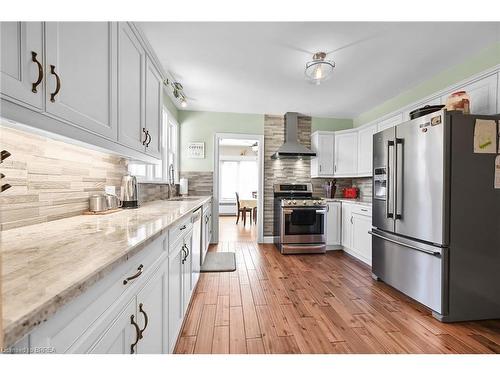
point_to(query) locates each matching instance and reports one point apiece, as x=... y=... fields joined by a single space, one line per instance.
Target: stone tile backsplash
x=51 y=179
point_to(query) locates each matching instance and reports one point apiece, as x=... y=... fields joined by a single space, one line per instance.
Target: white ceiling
x=259 y=67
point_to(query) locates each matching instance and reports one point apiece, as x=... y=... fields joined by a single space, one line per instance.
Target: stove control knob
x=294 y=202
x=304 y=203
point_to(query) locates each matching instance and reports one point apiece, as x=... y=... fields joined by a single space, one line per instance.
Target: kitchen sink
x=183 y=199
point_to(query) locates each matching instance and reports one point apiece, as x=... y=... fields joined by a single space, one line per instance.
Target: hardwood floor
x=315 y=304
x=230 y=231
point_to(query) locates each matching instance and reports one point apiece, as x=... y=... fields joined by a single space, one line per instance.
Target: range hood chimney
x=292 y=149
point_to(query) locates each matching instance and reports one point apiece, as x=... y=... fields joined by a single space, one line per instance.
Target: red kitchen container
x=350 y=192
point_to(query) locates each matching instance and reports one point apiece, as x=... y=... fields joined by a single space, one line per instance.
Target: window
x=146 y=172
x=239 y=176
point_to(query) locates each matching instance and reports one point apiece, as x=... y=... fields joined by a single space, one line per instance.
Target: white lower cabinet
x=356 y=223
x=175 y=294
x=361 y=239
x=152 y=313
x=120 y=336
x=346 y=225
x=333 y=225
x=136 y=309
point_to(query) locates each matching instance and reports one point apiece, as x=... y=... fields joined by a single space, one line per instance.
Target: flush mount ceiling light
x=319 y=69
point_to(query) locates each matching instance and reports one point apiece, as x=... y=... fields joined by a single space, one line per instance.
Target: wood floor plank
x=314 y=304
x=252 y=329
x=237 y=339
x=220 y=344
x=255 y=346
x=222 y=311
x=185 y=345
x=206 y=331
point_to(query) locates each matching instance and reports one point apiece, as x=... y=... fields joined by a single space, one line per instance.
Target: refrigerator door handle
x=399 y=178
x=434 y=253
x=389 y=213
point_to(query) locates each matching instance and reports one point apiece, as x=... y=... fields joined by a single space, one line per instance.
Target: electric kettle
x=129 y=192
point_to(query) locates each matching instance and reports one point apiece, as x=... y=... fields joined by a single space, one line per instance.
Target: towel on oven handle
x=303 y=217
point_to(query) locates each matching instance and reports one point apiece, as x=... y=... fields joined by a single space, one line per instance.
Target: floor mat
x=219 y=262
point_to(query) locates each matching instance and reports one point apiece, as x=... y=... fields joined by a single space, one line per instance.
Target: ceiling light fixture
x=177 y=91
x=319 y=69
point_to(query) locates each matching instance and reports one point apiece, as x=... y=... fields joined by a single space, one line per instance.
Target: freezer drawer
x=418 y=270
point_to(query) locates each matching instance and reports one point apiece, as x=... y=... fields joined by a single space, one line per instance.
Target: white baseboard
x=268 y=239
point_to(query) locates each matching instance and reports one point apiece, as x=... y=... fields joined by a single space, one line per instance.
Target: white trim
x=268 y=239
x=260 y=186
x=238 y=158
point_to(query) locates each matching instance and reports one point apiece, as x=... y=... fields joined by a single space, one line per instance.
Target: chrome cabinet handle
x=145 y=136
x=35 y=84
x=5 y=187
x=58 y=83
x=146 y=320
x=137 y=335
x=351 y=220
x=183 y=227
x=149 y=135
x=4 y=154
x=135 y=276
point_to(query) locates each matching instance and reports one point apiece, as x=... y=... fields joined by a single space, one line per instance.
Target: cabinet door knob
x=58 y=84
x=34 y=85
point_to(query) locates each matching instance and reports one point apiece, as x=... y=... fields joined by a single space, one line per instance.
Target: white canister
x=183 y=186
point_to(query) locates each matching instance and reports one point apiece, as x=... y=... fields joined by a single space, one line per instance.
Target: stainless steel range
x=299 y=219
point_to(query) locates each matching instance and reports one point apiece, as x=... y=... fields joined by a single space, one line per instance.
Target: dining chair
x=241 y=210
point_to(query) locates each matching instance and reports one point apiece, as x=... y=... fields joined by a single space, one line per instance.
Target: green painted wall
x=487 y=58
x=199 y=126
x=332 y=124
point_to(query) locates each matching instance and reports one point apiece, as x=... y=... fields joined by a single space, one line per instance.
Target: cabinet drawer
x=80 y=323
x=361 y=210
x=179 y=229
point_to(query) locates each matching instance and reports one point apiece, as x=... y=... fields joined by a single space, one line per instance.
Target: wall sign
x=196 y=150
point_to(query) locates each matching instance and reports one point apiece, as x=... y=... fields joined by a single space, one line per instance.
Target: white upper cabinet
x=154 y=105
x=322 y=143
x=131 y=86
x=483 y=95
x=81 y=76
x=346 y=154
x=365 y=150
x=390 y=122
x=21 y=64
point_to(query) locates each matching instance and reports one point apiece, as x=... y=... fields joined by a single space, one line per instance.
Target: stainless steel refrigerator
x=436 y=216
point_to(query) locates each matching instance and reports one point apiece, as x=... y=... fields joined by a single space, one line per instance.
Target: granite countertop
x=361 y=201
x=44 y=266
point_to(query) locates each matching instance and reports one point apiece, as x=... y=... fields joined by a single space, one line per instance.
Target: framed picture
x=196 y=150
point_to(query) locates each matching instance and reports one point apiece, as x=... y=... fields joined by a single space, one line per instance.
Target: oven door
x=302 y=225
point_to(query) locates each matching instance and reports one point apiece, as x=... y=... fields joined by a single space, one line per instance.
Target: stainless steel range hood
x=292 y=149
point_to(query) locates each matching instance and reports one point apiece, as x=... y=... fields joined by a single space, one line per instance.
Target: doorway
x=238 y=187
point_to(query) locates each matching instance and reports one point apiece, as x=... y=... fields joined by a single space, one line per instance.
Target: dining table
x=251 y=205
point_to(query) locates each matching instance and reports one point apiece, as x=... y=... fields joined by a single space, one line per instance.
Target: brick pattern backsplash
x=152 y=192
x=199 y=183
x=283 y=170
x=51 y=179
x=365 y=187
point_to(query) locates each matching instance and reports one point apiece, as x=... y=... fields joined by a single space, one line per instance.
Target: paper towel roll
x=183 y=186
